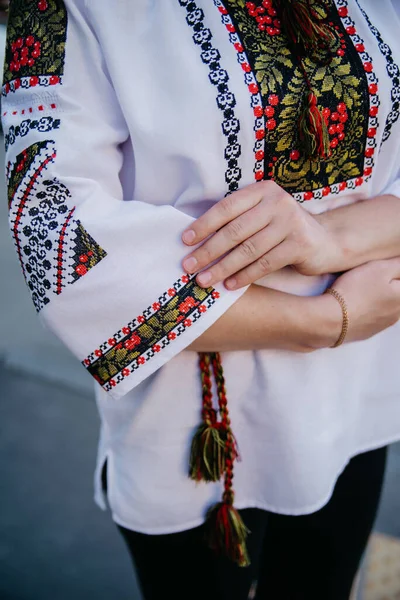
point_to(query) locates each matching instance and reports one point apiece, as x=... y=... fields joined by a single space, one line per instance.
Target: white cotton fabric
x=141 y=150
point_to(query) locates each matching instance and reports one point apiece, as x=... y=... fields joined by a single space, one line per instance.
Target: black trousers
x=309 y=557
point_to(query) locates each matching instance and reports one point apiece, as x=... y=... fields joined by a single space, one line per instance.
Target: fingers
x=279 y=257
x=231 y=235
x=222 y=213
x=250 y=250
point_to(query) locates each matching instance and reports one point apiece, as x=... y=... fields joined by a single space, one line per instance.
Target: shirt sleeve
x=103 y=271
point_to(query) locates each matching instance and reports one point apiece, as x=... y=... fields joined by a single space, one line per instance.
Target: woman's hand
x=263 y=229
x=372 y=295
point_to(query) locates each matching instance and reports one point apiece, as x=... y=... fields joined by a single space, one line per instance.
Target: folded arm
x=103 y=270
x=268 y=319
x=364 y=231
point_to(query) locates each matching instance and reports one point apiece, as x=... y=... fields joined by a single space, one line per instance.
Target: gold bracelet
x=345 y=326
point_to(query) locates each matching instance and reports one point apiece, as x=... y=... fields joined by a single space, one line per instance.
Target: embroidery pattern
x=226 y=100
x=263 y=54
x=42 y=125
x=373 y=87
x=48 y=242
x=394 y=74
x=61 y=252
x=35 y=51
x=29 y=110
x=256 y=100
x=86 y=253
x=149 y=333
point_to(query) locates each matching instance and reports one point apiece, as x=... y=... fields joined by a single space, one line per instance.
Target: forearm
x=266 y=319
x=365 y=231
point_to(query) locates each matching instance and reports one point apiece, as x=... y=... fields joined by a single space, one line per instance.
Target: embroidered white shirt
x=124 y=124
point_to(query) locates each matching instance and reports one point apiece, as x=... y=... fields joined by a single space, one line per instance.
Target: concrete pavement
x=55 y=544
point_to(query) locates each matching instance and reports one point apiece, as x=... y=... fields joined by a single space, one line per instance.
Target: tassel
x=207 y=456
x=227 y=533
x=213 y=453
x=305 y=28
x=313 y=131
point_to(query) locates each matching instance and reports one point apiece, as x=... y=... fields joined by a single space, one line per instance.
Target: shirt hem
x=261 y=505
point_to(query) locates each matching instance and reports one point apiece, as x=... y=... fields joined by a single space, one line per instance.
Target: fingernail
x=204 y=278
x=188 y=236
x=190 y=264
x=230 y=283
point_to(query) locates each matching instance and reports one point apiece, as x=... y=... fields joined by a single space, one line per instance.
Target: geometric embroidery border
x=225 y=99
x=252 y=85
x=373 y=123
x=141 y=339
x=394 y=73
x=373 y=88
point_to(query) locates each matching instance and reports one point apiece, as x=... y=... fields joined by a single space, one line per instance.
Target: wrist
x=324 y=321
x=337 y=250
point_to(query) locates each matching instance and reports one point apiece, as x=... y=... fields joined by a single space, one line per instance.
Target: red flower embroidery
x=156 y=306
x=326 y=191
x=202 y=308
x=171 y=292
x=125 y=330
x=98 y=353
x=373 y=88
x=141 y=360
x=112 y=382
x=185 y=278
x=187 y=322
x=112 y=341
x=253 y=88
x=187 y=305
x=87 y=362
x=133 y=341
x=156 y=348
x=171 y=335
x=215 y=294
x=126 y=372
x=141 y=319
